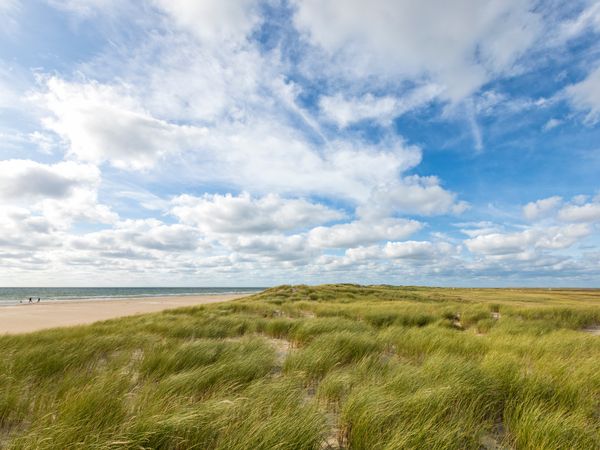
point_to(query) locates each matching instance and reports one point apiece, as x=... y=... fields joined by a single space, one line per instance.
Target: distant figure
x=30 y=300
x=38 y=300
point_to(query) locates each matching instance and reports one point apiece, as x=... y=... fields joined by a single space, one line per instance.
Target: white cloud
x=102 y=123
x=474 y=229
x=530 y=239
x=21 y=229
x=588 y=212
x=244 y=214
x=40 y=203
x=43 y=142
x=26 y=180
x=290 y=164
x=474 y=125
x=214 y=20
x=206 y=83
x=588 y=18
x=580 y=199
x=347 y=110
x=359 y=254
x=416 y=250
x=552 y=123
x=585 y=96
x=273 y=247
x=541 y=208
x=580 y=208
x=395 y=259
x=497 y=243
x=474 y=40
x=138 y=237
x=412 y=195
x=362 y=232
x=61 y=192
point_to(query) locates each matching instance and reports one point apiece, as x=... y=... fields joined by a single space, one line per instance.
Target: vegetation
x=298 y=367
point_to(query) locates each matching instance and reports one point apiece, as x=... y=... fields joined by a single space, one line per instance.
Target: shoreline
x=29 y=317
x=100 y=298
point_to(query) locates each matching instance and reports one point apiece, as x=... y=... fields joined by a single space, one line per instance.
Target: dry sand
x=27 y=317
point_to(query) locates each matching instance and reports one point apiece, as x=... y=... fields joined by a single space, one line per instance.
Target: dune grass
x=298 y=367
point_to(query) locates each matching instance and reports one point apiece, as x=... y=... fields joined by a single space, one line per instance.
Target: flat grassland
x=334 y=366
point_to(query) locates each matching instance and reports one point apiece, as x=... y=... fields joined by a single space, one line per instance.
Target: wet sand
x=24 y=318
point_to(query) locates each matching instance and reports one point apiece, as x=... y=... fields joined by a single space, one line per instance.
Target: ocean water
x=11 y=296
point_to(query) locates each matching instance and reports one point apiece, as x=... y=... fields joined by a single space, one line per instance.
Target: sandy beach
x=26 y=317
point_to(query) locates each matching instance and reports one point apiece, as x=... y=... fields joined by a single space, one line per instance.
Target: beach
x=24 y=318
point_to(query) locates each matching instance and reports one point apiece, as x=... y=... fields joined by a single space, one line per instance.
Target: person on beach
x=30 y=300
x=38 y=300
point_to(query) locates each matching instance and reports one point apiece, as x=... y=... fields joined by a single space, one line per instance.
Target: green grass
x=298 y=367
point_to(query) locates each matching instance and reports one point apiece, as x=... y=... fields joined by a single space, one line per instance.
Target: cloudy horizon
x=255 y=143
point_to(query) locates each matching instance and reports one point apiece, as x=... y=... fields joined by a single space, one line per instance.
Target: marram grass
x=298 y=367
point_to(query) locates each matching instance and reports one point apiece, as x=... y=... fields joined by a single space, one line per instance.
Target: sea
x=11 y=296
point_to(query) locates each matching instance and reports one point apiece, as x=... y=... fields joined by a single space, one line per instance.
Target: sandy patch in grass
x=595 y=330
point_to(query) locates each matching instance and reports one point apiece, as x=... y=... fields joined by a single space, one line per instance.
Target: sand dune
x=38 y=316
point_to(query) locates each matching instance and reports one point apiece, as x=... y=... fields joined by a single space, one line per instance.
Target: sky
x=255 y=143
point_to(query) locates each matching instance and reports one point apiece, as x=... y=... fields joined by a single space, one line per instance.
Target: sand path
x=27 y=317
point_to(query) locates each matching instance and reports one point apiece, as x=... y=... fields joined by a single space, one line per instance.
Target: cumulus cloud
x=405 y=259
x=273 y=247
x=358 y=233
x=580 y=208
x=412 y=195
x=534 y=238
x=541 y=208
x=214 y=20
x=40 y=204
x=416 y=250
x=61 y=192
x=244 y=214
x=138 y=237
x=22 y=229
x=478 y=39
x=588 y=212
x=102 y=123
x=31 y=181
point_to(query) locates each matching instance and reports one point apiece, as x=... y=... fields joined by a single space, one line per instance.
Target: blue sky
x=174 y=142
